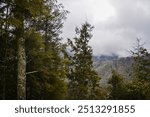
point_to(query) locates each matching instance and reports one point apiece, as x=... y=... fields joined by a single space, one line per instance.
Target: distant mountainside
x=105 y=64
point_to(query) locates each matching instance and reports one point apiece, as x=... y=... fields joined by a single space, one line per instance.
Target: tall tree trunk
x=21 y=76
x=4 y=83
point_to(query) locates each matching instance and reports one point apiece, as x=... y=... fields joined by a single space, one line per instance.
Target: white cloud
x=117 y=23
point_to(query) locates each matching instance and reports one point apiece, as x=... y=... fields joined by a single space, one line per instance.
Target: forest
x=35 y=64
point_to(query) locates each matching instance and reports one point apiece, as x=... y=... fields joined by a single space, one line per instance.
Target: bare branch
x=31 y=72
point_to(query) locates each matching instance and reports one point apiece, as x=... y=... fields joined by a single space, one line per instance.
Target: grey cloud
x=116 y=34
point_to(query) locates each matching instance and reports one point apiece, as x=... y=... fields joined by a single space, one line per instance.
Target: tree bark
x=21 y=76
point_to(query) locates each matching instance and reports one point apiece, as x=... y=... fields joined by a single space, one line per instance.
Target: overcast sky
x=117 y=23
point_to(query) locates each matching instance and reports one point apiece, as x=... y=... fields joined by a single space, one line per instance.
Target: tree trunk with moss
x=21 y=76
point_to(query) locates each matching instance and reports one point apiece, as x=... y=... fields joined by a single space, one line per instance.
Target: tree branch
x=31 y=72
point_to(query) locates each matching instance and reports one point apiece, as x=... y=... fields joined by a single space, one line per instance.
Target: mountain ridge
x=105 y=64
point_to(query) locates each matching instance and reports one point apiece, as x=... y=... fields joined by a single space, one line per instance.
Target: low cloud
x=117 y=33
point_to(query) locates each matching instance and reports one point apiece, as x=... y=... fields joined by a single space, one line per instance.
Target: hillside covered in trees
x=35 y=64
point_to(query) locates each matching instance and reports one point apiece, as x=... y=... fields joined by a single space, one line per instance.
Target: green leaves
x=141 y=65
x=46 y=55
x=34 y=40
x=84 y=81
x=14 y=22
x=117 y=86
x=38 y=23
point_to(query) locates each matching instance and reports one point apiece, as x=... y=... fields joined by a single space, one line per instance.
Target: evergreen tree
x=7 y=53
x=21 y=11
x=138 y=88
x=30 y=39
x=83 y=80
x=117 y=86
x=141 y=64
x=49 y=61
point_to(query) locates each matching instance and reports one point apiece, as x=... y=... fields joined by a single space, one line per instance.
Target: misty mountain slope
x=104 y=66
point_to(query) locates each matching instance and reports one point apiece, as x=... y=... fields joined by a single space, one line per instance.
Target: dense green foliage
x=121 y=89
x=117 y=87
x=84 y=81
x=138 y=87
x=38 y=24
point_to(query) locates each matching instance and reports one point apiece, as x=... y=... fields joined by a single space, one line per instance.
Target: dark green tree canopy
x=141 y=65
x=83 y=79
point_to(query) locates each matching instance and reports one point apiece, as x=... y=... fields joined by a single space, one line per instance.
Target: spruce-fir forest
x=35 y=64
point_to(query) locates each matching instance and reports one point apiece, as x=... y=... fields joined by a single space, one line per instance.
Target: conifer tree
x=117 y=86
x=139 y=86
x=48 y=57
x=19 y=14
x=24 y=10
x=31 y=50
x=141 y=64
x=84 y=81
x=137 y=90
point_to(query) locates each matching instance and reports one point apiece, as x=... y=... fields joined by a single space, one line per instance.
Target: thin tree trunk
x=5 y=56
x=4 y=84
x=21 y=76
